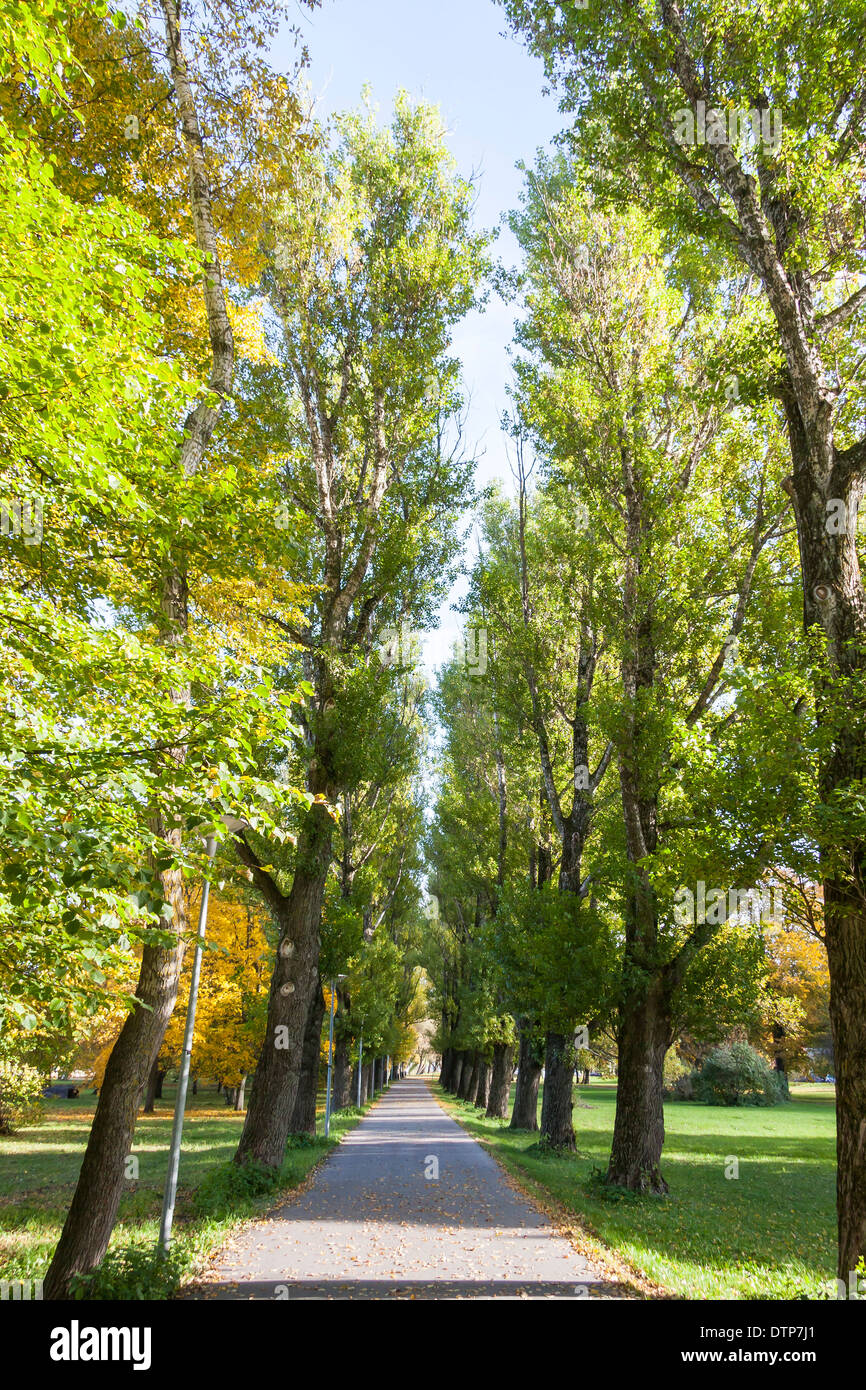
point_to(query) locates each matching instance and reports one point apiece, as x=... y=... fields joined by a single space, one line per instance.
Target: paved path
x=374 y=1225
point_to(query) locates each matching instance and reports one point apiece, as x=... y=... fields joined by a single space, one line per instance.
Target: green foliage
x=234 y=1185
x=674 y=1069
x=556 y=956
x=735 y=1074
x=21 y=1089
x=134 y=1272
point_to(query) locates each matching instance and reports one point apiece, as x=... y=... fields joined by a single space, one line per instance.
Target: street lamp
x=170 y=1194
x=331 y=1055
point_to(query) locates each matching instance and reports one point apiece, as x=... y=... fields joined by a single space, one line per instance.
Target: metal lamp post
x=168 y=1201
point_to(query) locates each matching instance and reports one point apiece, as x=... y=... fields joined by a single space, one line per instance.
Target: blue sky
x=457 y=54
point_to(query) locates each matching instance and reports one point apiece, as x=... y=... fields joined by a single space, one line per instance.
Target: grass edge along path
x=629 y=1280
x=616 y=1232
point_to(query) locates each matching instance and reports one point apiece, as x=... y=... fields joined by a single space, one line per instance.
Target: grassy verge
x=39 y=1167
x=768 y=1233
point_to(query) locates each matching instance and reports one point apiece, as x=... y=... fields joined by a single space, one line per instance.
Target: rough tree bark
x=466 y=1075
x=447 y=1070
x=150 y=1093
x=525 y=1112
x=500 y=1081
x=483 y=1092
x=639 y=1125
x=303 y=1119
x=92 y=1214
x=342 y=1074
x=294 y=984
x=556 y=1102
x=474 y=1078
x=457 y=1072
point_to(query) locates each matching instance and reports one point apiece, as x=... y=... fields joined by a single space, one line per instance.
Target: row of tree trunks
x=525 y=1112
x=466 y=1074
x=235 y=1094
x=451 y=1074
x=471 y=1076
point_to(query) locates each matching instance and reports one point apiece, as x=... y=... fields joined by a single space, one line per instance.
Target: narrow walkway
x=408 y=1206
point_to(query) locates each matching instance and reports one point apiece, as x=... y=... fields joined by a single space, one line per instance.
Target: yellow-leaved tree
x=232 y=999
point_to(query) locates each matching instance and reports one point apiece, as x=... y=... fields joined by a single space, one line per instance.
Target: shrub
x=233 y=1187
x=675 y=1069
x=133 y=1272
x=683 y=1088
x=735 y=1074
x=20 y=1095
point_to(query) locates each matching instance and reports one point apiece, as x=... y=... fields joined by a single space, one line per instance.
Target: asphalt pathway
x=408 y=1206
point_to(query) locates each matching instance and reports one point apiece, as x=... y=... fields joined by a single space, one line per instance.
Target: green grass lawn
x=39 y=1167
x=770 y=1233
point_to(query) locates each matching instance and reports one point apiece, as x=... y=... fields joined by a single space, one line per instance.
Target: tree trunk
x=304 y=1110
x=195 y=1085
x=846 y=953
x=466 y=1075
x=474 y=1079
x=639 y=1126
x=367 y=1083
x=500 y=1081
x=239 y=1093
x=482 y=1095
x=295 y=983
x=342 y=1073
x=457 y=1072
x=150 y=1093
x=525 y=1112
x=90 y=1220
x=584 y=1080
x=556 y=1103
x=447 y=1068
x=89 y=1223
